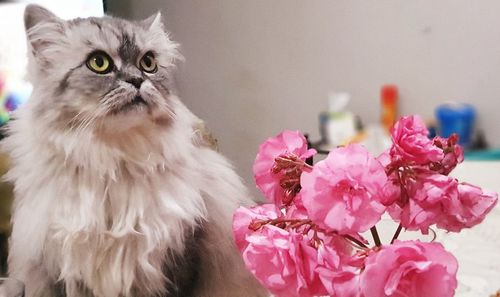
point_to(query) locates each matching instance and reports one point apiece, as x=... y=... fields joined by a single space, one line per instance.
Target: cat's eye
x=100 y=62
x=148 y=63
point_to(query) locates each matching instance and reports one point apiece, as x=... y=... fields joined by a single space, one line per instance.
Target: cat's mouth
x=136 y=103
x=138 y=100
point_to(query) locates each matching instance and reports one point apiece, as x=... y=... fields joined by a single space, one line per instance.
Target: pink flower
x=343 y=192
x=469 y=209
x=412 y=269
x=391 y=191
x=424 y=201
x=279 y=164
x=244 y=217
x=284 y=262
x=411 y=144
x=453 y=154
x=432 y=198
x=297 y=210
x=339 y=278
x=385 y=158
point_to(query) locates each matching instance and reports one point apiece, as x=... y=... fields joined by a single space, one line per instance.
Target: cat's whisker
x=84 y=124
x=77 y=121
x=72 y=123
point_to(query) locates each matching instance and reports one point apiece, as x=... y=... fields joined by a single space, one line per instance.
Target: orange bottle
x=389 y=101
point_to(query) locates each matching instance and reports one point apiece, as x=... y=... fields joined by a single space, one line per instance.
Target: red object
x=389 y=100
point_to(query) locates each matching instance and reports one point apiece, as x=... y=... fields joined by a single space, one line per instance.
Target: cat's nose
x=135 y=81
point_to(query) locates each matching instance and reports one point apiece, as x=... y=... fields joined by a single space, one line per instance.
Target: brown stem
x=375 y=236
x=359 y=243
x=293 y=223
x=404 y=194
x=297 y=223
x=396 y=235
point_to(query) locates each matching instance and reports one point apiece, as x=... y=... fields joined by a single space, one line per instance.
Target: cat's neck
x=146 y=149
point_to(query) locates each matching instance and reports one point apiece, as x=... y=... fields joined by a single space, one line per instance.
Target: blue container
x=456 y=118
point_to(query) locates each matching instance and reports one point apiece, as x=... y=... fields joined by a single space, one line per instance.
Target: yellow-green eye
x=148 y=63
x=100 y=62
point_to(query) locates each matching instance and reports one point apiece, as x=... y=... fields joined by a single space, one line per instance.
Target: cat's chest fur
x=133 y=224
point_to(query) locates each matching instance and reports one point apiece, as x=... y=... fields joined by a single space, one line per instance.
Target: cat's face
x=99 y=71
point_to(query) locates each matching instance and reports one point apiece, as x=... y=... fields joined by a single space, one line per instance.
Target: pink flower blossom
x=432 y=198
x=307 y=242
x=343 y=192
x=284 y=262
x=391 y=192
x=412 y=269
x=385 y=158
x=453 y=154
x=469 y=209
x=339 y=278
x=424 y=201
x=297 y=210
x=244 y=217
x=279 y=164
x=411 y=144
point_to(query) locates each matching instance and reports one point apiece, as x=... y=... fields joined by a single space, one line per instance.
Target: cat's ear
x=43 y=28
x=153 y=21
x=35 y=14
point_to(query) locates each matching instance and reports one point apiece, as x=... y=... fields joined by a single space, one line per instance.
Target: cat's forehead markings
x=128 y=49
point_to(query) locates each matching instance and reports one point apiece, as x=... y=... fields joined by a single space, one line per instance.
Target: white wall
x=13 y=38
x=256 y=67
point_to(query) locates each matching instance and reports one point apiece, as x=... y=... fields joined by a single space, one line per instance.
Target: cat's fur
x=113 y=201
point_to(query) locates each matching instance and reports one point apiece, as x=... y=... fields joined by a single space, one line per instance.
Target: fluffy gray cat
x=116 y=193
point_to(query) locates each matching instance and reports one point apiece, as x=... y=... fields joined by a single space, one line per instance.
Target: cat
x=116 y=192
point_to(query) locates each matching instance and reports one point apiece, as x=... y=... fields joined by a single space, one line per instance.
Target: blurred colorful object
x=456 y=118
x=10 y=100
x=389 y=99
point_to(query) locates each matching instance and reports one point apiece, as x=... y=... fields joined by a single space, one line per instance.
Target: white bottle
x=341 y=126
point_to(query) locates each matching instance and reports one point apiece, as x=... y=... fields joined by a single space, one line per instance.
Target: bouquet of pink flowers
x=307 y=240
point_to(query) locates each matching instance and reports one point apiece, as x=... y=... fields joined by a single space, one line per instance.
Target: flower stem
x=396 y=235
x=375 y=236
x=359 y=243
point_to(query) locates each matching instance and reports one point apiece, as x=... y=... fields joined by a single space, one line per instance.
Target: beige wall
x=255 y=67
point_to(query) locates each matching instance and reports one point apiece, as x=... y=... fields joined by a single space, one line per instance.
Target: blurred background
x=254 y=68
x=339 y=71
